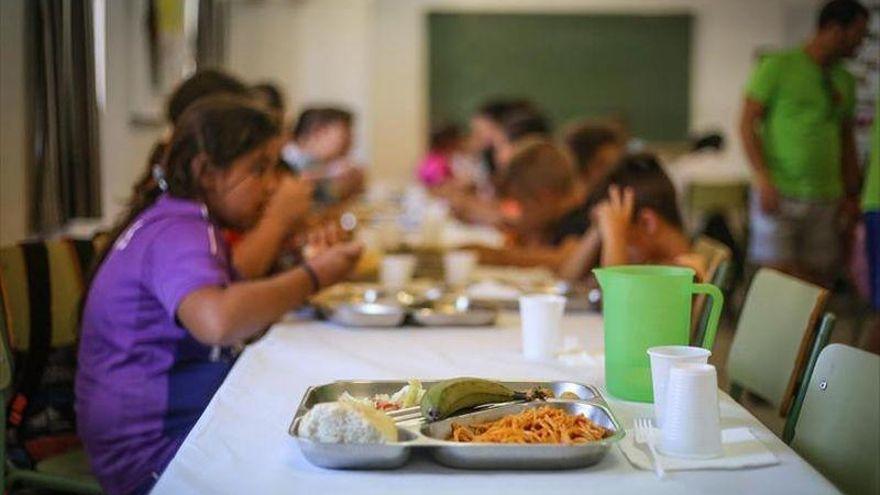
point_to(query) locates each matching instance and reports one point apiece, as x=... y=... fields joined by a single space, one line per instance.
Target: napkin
x=742 y=449
x=494 y=290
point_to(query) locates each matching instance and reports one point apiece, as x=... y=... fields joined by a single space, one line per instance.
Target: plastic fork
x=644 y=434
x=406 y=414
x=414 y=413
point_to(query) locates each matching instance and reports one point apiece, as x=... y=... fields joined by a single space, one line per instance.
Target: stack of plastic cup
x=541 y=316
x=691 y=426
x=397 y=270
x=458 y=267
x=662 y=360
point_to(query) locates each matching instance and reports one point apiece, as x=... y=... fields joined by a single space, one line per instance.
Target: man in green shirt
x=797 y=131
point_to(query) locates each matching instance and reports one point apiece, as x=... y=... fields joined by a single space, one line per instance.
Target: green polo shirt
x=805 y=106
x=871 y=188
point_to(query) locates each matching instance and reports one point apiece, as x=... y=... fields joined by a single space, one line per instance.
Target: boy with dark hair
x=516 y=125
x=542 y=207
x=320 y=141
x=596 y=149
x=639 y=222
x=205 y=82
x=269 y=95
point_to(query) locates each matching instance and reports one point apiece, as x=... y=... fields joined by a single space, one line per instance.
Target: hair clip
x=159 y=177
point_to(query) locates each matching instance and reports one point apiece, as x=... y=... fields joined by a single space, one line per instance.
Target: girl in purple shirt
x=164 y=304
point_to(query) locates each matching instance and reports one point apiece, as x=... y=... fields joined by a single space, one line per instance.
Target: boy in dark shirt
x=543 y=207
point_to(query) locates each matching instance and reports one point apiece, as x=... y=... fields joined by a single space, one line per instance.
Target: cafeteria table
x=240 y=445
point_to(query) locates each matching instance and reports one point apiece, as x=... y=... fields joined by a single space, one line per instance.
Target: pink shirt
x=435 y=169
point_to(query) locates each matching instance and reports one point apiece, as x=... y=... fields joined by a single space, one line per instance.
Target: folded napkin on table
x=742 y=449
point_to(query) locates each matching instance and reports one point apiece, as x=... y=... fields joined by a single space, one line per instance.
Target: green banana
x=450 y=396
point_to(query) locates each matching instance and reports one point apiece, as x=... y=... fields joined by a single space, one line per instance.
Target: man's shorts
x=801 y=233
x=872 y=243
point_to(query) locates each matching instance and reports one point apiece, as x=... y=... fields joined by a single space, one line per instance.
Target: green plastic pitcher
x=646 y=306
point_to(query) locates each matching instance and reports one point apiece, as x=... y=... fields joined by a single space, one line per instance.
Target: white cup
x=434 y=220
x=662 y=359
x=458 y=267
x=541 y=315
x=692 y=428
x=397 y=270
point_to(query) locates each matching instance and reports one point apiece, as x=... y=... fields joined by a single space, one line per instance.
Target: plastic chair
x=773 y=337
x=718 y=259
x=837 y=430
x=825 y=329
x=40 y=290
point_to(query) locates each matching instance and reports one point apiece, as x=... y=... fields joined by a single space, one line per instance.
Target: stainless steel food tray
x=362 y=305
x=386 y=315
x=431 y=436
x=576 y=300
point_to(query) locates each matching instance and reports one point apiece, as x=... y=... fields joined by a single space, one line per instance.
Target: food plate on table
x=527 y=425
x=365 y=305
x=503 y=294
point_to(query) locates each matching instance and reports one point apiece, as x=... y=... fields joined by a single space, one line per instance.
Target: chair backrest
x=773 y=336
x=716 y=196
x=42 y=283
x=714 y=252
x=822 y=335
x=838 y=431
x=718 y=258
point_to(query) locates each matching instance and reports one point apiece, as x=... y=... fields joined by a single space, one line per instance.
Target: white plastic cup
x=397 y=270
x=662 y=359
x=692 y=428
x=458 y=267
x=541 y=316
x=434 y=220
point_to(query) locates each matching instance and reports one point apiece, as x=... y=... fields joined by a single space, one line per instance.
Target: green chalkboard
x=632 y=67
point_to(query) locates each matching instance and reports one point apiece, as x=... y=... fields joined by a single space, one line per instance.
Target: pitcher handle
x=714 y=314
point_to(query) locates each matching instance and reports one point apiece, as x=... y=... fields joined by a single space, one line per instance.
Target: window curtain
x=211 y=38
x=65 y=174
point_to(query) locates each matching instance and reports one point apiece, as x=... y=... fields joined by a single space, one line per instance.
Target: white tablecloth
x=240 y=445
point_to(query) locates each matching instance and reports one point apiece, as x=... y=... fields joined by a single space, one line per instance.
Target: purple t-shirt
x=142 y=379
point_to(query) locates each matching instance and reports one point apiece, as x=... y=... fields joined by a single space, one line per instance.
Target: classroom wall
x=124 y=146
x=13 y=145
x=372 y=54
x=725 y=37
x=316 y=51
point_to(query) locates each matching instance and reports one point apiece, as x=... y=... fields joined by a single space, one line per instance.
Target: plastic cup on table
x=662 y=360
x=397 y=270
x=692 y=426
x=541 y=316
x=458 y=267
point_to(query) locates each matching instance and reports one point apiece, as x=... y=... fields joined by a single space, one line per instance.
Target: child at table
x=596 y=149
x=543 y=205
x=639 y=221
x=164 y=304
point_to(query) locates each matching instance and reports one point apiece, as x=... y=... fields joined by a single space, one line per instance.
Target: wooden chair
x=835 y=427
x=718 y=273
x=774 y=335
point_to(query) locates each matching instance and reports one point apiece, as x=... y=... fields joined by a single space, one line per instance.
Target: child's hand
x=335 y=263
x=321 y=238
x=614 y=216
x=349 y=181
x=615 y=213
x=290 y=202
